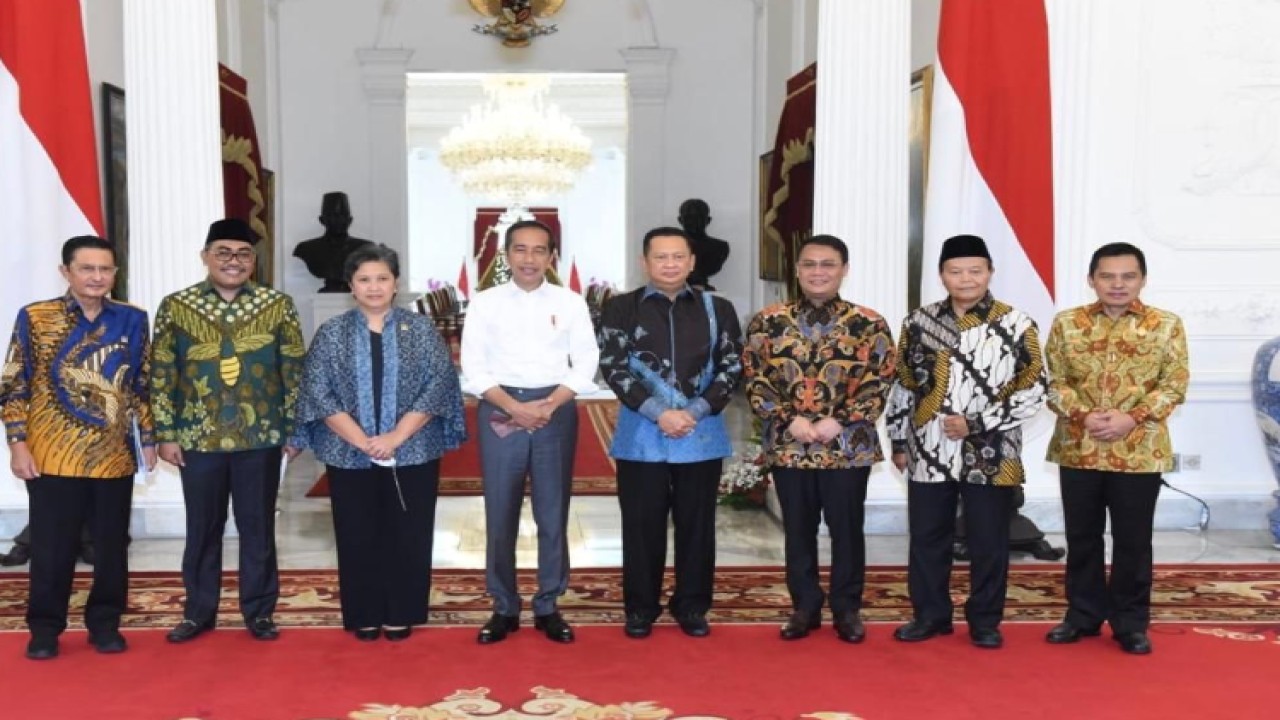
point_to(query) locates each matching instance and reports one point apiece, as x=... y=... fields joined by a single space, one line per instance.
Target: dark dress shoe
x=1064 y=633
x=109 y=642
x=397 y=634
x=694 y=625
x=187 y=630
x=497 y=628
x=987 y=638
x=554 y=627
x=42 y=648
x=263 y=628
x=799 y=625
x=18 y=555
x=849 y=627
x=368 y=634
x=916 y=630
x=1134 y=643
x=638 y=626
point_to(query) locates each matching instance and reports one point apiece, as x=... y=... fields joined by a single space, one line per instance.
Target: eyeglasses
x=91 y=270
x=226 y=255
x=824 y=265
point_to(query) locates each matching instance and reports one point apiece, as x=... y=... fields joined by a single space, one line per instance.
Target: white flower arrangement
x=743 y=482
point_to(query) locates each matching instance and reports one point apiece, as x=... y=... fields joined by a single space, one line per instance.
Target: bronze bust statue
x=326 y=255
x=709 y=253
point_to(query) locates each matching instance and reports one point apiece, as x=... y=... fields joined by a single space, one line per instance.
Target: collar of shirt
x=650 y=291
x=982 y=308
x=248 y=289
x=514 y=290
x=73 y=305
x=1137 y=307
x=805 y=308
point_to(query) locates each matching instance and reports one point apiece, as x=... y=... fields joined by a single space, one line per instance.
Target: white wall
x=1167 y=125
x=709 y=144
x=924 y=32
x=104 y=46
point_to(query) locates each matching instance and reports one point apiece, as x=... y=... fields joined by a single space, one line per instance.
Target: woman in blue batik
x=379 y=404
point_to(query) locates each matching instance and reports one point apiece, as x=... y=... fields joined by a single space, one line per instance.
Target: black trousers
x=1130 y=499
x=384 y=550
x=838 y=497
x=24 y=536
x=931 y=512
x=647 y=494
x=60 y=506
x=251 y=479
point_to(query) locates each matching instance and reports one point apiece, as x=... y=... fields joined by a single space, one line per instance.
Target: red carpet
x=593 y=468
x=740 y=672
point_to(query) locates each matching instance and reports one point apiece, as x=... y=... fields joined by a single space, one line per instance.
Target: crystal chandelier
x=517 y=147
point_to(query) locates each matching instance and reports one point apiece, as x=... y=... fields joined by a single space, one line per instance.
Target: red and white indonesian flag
x=48 y=160
x=990 y=148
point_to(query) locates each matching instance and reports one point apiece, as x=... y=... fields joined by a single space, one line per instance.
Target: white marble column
x=174 y=154
x=1074 y=27
x=648 y=80
x=860 y=183
x=174 y=145
x=382 y=72
x=860 y=179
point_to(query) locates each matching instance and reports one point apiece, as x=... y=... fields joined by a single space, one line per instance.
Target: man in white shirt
x=527 y=350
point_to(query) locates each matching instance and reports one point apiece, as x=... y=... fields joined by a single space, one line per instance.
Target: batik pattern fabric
x=672 y=339
x=73 y=388
x=418 y=376
x=659 y=353
x=225 y=373
x=985 y=366
x=1137 y=364
x=802 y=360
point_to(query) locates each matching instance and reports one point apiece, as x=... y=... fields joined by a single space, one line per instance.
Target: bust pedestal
x=318 y=307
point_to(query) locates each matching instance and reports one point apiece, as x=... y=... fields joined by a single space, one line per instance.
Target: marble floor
x=744 y=538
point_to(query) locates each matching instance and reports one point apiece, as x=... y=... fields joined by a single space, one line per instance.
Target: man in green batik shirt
x=226 y=361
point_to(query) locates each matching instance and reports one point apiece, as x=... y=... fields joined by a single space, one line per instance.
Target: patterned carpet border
x=1182 y=593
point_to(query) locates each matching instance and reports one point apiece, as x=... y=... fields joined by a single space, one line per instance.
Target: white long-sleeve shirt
x=528 y=339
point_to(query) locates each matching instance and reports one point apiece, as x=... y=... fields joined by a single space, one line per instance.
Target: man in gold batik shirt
x=74 y=397
x=1118 y=369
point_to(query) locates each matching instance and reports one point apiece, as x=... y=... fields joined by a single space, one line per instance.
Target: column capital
x=648 y=73
x=382 y=73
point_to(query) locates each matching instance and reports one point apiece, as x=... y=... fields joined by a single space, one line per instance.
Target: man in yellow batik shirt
x=1118 y=369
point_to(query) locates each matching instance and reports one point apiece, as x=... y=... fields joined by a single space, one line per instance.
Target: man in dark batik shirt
x=673 y=355
x=817 y=371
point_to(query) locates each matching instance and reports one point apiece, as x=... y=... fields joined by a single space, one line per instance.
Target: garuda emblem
x=516 y=21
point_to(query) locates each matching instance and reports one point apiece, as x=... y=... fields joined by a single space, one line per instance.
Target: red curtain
x=488 y=242
x=244 y=188
x=788 y=218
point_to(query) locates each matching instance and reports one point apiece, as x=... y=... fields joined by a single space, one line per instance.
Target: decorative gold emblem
x=515 y=21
